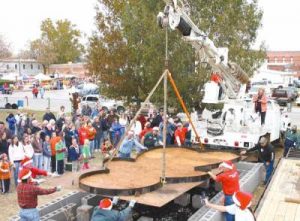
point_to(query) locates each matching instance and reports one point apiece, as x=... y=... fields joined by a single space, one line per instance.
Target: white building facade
x=21 y=66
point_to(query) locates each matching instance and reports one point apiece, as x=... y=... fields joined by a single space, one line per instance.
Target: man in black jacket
x=266 y=155
x=48 y=115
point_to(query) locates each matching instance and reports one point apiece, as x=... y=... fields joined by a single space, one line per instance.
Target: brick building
x=288 y=61
x=77 y=69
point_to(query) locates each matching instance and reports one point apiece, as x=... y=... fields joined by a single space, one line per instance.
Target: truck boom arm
x=176 y=16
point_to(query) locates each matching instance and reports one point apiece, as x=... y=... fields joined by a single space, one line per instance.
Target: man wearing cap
x=104 y=211
x=229 y=178
x=28 y=194
x=128 y=144
x=291 y=139
x=240 y=209
x=180 y=134
x=266 y=155
x=152 y=138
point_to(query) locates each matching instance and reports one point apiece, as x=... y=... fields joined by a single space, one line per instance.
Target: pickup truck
x=282 y=96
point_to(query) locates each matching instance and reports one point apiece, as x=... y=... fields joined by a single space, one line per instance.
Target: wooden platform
x=164 y=195
x=285 y=184
x=142 y=177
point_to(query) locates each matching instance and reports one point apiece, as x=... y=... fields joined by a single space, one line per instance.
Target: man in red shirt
x=145 y=130
x=180 y=134
x=28 y=194
x=229 y=178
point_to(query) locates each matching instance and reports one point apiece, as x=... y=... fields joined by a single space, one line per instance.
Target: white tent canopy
x=42 y=77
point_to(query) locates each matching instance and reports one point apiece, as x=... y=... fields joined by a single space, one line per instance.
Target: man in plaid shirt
x=27 y=196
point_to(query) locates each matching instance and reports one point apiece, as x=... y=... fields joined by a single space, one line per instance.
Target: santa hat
x=227 y=164
x=26 y=161
x=105 y=204
x=242 y=199
x=24 y=174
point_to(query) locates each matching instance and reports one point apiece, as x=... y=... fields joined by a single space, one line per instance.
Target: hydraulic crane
x=176 y=16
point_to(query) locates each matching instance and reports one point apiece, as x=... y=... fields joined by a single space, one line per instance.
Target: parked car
x=86 y=89
x=297 y=101
x=93 y=100
x=297 y=83
x=293 y=91
x=282 y=96
x=254 y=90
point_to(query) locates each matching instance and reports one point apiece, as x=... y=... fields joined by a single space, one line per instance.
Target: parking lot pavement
x=54 y=99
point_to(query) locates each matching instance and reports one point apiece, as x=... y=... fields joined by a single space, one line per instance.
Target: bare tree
x=5 y=50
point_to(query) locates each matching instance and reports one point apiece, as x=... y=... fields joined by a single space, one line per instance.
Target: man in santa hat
x=240 y=209
x=105 y=212
x=229 y=178
x=28 y=194
x=26 y=163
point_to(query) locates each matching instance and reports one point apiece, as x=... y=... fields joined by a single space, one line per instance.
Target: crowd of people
x=57 y=139
x=30 y=147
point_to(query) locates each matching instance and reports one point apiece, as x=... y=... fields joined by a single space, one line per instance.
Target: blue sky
x=20 y=20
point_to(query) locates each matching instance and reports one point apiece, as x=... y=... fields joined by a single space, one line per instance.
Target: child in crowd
x=86 y=154
x=60 y=155
x=47 y=153
x=74 y=155
x=5 y=173
x=106 y=146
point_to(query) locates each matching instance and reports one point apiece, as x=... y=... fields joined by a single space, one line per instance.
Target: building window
x=275 y=59
x=268 y=59
x=23 y=66
x=292 y=60
x=39 y=67
x=16 y=66
x=7 y=66
x=283 y=59
x=31 y=66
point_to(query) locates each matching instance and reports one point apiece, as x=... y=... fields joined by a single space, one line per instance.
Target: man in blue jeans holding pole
x=266 y=155
x=229 y=178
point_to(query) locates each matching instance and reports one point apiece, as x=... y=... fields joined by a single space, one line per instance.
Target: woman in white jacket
x=16 y=155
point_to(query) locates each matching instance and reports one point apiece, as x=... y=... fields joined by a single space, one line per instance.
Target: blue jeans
x=228 y=201
x=16 y=172
x=92 y=147
x=269 y=169
x=29 y=215
x=97 y=142
x=38 y=161
x=124 y=155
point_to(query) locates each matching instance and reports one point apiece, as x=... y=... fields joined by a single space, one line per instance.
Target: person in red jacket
x=142 y=120
x=180 y=134
x=260 y=103
x=26 y=163
x=229 y=178
x=91 y=133
x=145 y=130
x=82 y=133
